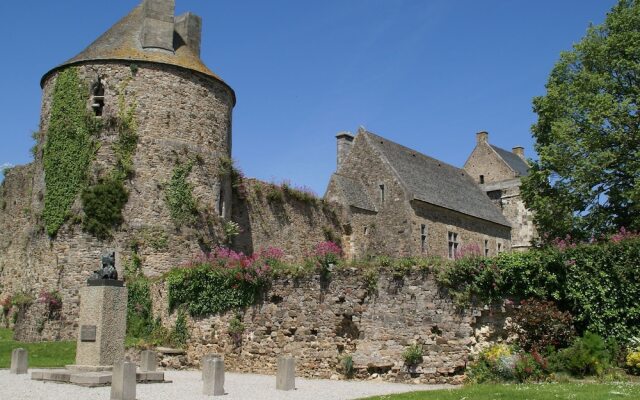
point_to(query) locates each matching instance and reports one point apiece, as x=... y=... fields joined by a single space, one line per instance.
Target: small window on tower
x=97 y=98
x=221 y=203
x=481 y=179
x=382 y=194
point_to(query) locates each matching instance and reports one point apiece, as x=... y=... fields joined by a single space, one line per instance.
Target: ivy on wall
x=69 y=148
x=179 y=195
x=103 y=202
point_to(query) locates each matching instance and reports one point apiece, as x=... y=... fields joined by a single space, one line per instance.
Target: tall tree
x=587 y=179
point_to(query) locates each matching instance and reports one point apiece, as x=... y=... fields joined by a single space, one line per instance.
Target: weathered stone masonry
x=321 y=324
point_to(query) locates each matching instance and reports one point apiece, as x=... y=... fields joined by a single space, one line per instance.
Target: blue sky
x=425 y=73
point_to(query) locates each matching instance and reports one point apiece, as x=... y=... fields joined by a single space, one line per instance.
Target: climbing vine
x=69 y=148
x=104 y=201
x=179 y=195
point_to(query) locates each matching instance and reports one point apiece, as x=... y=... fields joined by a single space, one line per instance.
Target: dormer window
x=97 y=98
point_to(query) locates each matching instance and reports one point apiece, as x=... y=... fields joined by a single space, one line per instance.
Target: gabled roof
x=354 y=192
x=122 y=42
x=513 y=161
x=435 y=182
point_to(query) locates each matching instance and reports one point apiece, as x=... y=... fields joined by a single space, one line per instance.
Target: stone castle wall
x=321 y=324
x=181 y=117
x=292 y=225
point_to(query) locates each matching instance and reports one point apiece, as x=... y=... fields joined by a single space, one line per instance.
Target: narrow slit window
x=499 y=248
x=481 y=179
x=97 y=98
x=486 y=248
x=453 y=244
x=423 y=238
x=382 y=194
x=221 y=203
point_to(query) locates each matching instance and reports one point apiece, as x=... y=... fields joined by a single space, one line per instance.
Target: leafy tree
x=587 y=179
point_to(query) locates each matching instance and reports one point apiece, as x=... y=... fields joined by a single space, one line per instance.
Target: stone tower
x=144 y=77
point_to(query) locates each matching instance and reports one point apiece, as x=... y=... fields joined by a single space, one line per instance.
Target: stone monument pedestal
x=103 y=325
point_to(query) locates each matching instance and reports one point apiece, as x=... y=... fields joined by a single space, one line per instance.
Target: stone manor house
x=388 y=199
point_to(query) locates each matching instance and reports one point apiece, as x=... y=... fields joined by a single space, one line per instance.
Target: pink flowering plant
x=325 y=255
x=218 y=281
x=53 y=302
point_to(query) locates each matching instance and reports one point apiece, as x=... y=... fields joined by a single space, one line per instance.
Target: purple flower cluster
x=52 y=300
x=324 y=249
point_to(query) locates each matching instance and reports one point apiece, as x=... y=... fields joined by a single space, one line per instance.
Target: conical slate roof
x=122 y=43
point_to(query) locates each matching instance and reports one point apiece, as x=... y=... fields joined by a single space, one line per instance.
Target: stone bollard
x=148 y=361
x=123 y=382
x=286 y=378
x=205 y=366
x=19 y=361
x=214 y=379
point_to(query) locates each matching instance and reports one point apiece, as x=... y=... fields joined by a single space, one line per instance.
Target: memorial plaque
x=88 y=333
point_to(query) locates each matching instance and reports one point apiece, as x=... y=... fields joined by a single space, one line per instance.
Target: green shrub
x=140 y=322
x=103 y=204
x=588 y=355
x=597 y=283
x=412 y=355
x=180 y=334
x=217 y=282
x=346 y=364
x=527 y=368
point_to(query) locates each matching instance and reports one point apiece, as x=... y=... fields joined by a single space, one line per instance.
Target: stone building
x=498 y=173
x=401 y=202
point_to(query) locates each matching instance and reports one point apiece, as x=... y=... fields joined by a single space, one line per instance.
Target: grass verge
x=41 y=355
x=543 y=391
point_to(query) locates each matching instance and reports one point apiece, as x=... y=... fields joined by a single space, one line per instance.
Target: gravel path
x=187 y=385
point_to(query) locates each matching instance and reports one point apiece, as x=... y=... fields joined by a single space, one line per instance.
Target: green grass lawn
x=545 y=391
x=41 y=355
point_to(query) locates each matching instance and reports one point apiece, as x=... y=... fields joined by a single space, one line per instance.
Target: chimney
x=189 y=28
x=519 y=151
x=345 y=140
x=482 y=137
x=157 y=26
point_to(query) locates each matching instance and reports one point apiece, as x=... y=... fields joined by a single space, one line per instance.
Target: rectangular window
x=381 y=194
x=481 y=179
x=499 y=248
x=486 y=248
x=423 y=238
x=453 y=244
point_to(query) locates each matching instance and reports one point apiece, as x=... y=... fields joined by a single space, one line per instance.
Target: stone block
x=54 y=375
x=189 y=27
x=286 y=378
x=214 y=379
x=91 y=379
x=205 y=365
x=162 y=10
x=149 y=377
x=157 y=34
x=123 y=382
x=19 y=361
x=148 y=361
